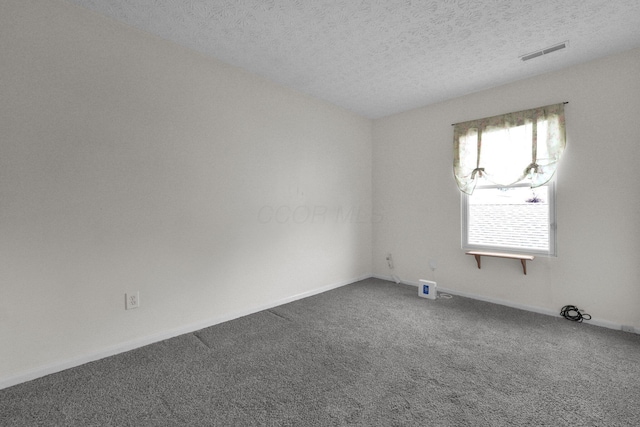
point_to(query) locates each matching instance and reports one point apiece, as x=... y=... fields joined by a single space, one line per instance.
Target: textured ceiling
x=380 y=57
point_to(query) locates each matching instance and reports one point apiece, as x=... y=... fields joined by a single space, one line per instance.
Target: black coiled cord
x=571 y=312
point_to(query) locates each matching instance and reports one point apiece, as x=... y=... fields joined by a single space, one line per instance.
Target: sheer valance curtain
x=507 y=149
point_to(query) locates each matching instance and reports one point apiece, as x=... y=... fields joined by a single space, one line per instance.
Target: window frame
x=553 y=250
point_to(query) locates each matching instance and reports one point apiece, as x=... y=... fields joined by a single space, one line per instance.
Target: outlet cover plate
x=132 y=300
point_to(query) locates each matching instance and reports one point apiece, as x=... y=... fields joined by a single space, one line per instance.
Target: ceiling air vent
x=545 y=51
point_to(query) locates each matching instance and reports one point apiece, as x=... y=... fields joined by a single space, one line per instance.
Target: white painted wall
x=128 y=163
x=598 y=201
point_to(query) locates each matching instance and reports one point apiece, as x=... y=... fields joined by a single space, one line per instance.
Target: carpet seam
x=195 y=334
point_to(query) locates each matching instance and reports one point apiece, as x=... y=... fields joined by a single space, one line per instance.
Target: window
x=504 y=167
x=514 y=218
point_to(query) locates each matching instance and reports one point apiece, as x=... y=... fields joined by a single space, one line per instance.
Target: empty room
x=292 y=213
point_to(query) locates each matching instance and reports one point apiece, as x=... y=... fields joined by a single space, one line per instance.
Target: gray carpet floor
x=368 y=354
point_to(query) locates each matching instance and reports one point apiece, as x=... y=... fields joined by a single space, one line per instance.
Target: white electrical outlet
x=132 y=300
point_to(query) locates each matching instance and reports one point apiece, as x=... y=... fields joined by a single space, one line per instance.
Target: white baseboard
x=594 y=321
x=150 y=339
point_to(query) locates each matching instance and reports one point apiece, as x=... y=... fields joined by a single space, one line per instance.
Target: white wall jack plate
x=389 y=261
x=132 y=300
